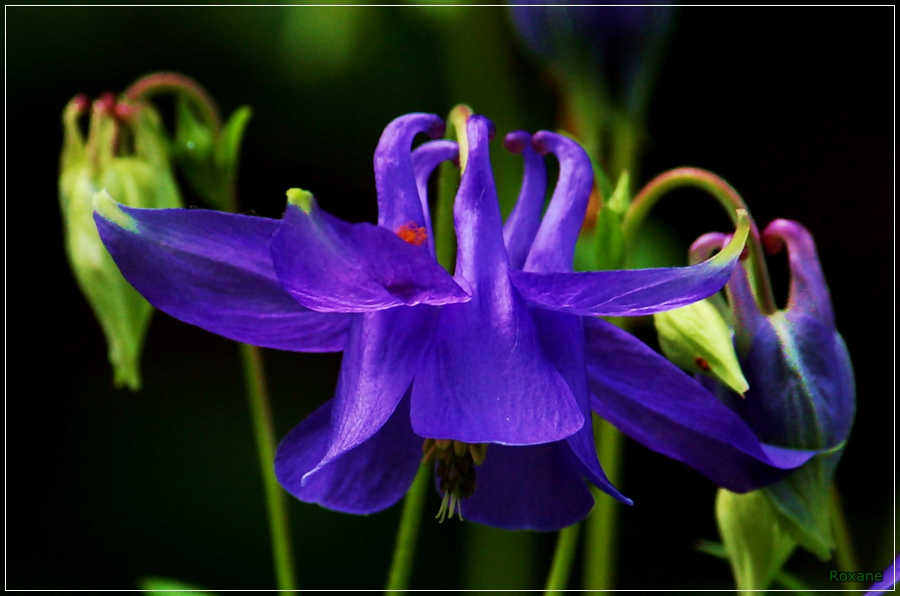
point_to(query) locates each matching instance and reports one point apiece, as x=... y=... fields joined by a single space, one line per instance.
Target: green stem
x=445 y=240
x=445 y=247
x=625 y=147
x=161 y=82
x=844 y=551
x=264 y=431
x=562 y=560
x=448 y=182
x=601 y=525
x=408 y=532
x=257 y=394
x=730 y=201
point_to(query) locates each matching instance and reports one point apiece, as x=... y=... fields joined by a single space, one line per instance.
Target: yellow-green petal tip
x=109 y=210
x=301 y=198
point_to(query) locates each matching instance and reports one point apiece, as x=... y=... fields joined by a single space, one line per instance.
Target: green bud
x=757 y=544
x=696 y=338
x=126 y=154
x=208 y=157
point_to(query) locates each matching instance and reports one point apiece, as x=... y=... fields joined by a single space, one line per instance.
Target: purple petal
x=888 y=579
x=332 y=266
x=371 y=477
x=522 y=224
x=481 y=255
x=425 y=159
x=395 y=181
x=213 y=270
x=554 y=247
x=649 y=399
x=382 y=354
x=485 y=378
x=632 y=292
x=528 y=488
x=562 y=339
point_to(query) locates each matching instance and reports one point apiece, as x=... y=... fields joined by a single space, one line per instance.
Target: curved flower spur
x=454 y=363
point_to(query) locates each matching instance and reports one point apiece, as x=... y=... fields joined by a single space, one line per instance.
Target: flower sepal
x=696 y=339
x=756 y=542
x=208 y=156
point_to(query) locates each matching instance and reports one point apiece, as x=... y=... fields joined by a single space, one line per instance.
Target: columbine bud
x=801 y=391
x=207 y=156
x=125 y=153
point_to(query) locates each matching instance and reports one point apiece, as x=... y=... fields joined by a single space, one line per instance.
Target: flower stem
x=162 y=82
x=257 y=394
x=562 y=560
x=448 y=182
x=844 y=552
x=602 y=524
x=730 y=200
x=264 y=430
x=408 y=532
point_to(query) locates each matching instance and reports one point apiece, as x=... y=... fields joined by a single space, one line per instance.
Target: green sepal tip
x=301 y=198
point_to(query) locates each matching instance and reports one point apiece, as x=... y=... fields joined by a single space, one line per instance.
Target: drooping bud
x=126 y=154
x=801 y=389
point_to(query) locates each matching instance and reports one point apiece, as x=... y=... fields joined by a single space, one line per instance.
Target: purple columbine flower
x=802 y=393
x=485 y=371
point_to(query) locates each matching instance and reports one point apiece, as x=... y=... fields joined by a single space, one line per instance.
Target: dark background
x=794 y=107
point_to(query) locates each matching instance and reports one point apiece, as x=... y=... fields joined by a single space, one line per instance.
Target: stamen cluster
x=456 y=463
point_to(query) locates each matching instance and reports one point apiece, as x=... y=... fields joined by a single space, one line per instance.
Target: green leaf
x=586 y=251
x=621 y=196
x=172 y=586
x=801 y=503
x=755 y=541
x=229 y=147
x=609 y=242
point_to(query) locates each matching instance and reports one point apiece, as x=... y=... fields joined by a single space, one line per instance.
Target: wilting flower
x=484 y=370
x=802 y=393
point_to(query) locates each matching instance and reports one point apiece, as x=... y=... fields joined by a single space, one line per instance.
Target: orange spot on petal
x=412 y=233
x=702 y=364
